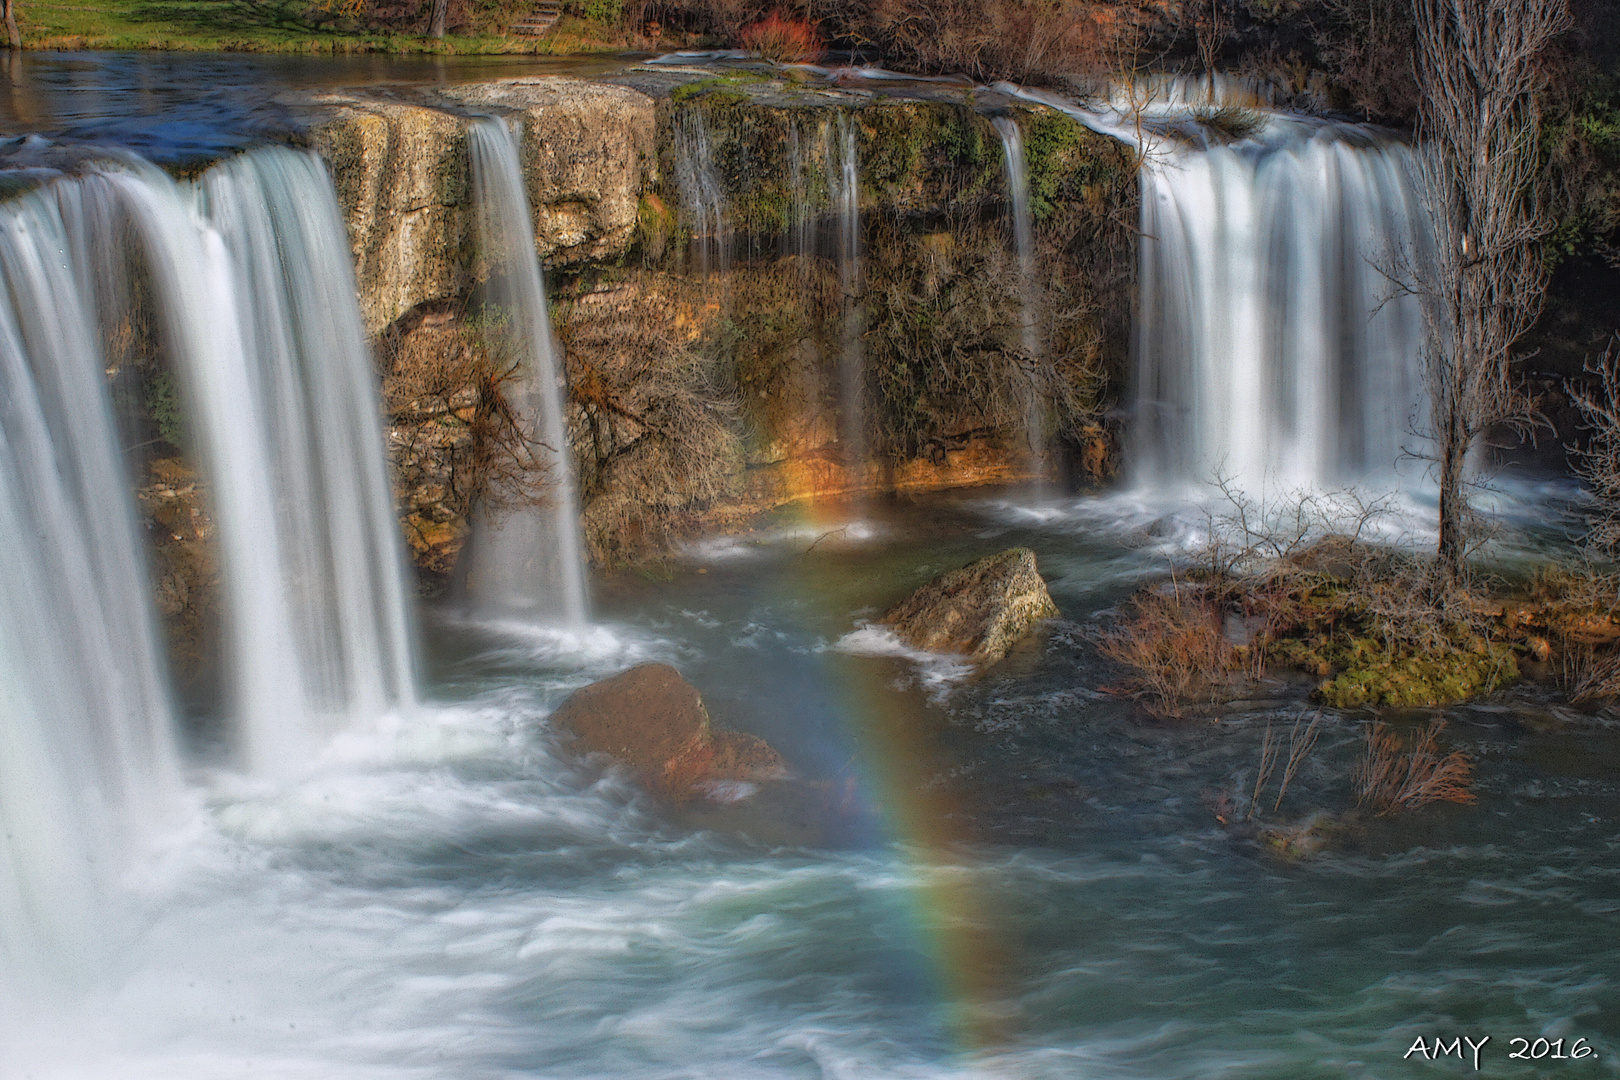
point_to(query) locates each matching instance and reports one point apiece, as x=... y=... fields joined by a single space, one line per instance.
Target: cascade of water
x=527 y=559
x=315 y=446
x=703 y=197
x=844 y=184
x=1271 y=347
x=801 y=237
x=250 y=271
x=88 y=764
x=1012 y=148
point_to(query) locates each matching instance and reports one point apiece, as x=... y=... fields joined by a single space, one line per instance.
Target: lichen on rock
x=979 y=611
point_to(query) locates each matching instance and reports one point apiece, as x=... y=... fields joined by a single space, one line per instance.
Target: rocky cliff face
x=710 y=293
x=401 y=168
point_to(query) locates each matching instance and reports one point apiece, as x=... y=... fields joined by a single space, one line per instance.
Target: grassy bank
x=291 y=26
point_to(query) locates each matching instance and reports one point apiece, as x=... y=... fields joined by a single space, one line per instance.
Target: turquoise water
x=1019 y=876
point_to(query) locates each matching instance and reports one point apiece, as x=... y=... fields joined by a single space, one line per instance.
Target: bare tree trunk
x=441 y=12
x=1480 y=67
x=12 y=36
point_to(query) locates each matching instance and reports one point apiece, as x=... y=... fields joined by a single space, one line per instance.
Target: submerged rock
x=1304 y=839
x=979 y=611
x=654 y=721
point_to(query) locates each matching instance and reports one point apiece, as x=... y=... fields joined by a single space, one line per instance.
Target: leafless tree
x=9 y=9
x=440 y=14
x=1598 y=462
x=1481 y=68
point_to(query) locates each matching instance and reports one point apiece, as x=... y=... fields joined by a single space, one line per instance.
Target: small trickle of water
x=703 y=197
x=1012 y=149
x=801 y=231
x=844 y=182
x=527 y=559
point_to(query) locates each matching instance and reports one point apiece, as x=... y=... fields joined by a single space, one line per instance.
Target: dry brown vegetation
x=1394 y=776
x=784 y=40
x=454 y=436
x=1277 y=587
x=1025 y=40
x=1598 y=461
x=1577 y=608
x=1301 y=742
x=653 y=424
x=1173 y=645
x=1373 y=625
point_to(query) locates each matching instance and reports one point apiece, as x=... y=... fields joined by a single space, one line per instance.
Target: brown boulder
x=653 y=721
x=979 y=610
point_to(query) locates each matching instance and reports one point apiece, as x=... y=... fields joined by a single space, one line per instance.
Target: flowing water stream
x=529 y=559
x=1012 y=875
x=844 y=184
x=1276 y=341
x=1029 y=330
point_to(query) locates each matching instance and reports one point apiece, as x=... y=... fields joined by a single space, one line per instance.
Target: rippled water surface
x=1020 y=876
x=180 y=106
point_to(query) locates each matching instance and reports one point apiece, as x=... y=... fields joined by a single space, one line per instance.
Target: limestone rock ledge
x=587 y=155
x=400 y=164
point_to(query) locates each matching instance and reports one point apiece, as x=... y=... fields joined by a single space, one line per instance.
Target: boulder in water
x=654 y=721
x=979 y=611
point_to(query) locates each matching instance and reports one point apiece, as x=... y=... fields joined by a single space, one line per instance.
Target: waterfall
x=844 y=184
x=1271 y=348
x=294 y=438
x=527 y=559
x=88 y=764
x=801 y=233
x=1012 y=149
x=703 y=197
x=249 y=274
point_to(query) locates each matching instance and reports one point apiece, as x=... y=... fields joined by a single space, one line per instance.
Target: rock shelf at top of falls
x=594 y=148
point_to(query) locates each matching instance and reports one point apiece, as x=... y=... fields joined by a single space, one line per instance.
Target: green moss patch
x=1374 y=675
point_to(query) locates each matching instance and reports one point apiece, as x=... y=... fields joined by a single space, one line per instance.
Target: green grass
x=283 y=26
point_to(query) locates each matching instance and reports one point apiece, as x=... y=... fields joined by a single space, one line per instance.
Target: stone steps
x=540 y=19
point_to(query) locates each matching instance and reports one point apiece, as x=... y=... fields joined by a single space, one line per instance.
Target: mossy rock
x=1373 y=677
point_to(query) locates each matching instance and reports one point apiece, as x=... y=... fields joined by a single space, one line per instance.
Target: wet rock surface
x=654 y=721
x=185 y=568
x=399 y=160
x=979 y=611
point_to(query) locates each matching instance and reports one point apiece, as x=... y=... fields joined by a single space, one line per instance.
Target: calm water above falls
x=179 y=106
x=1014 y=877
